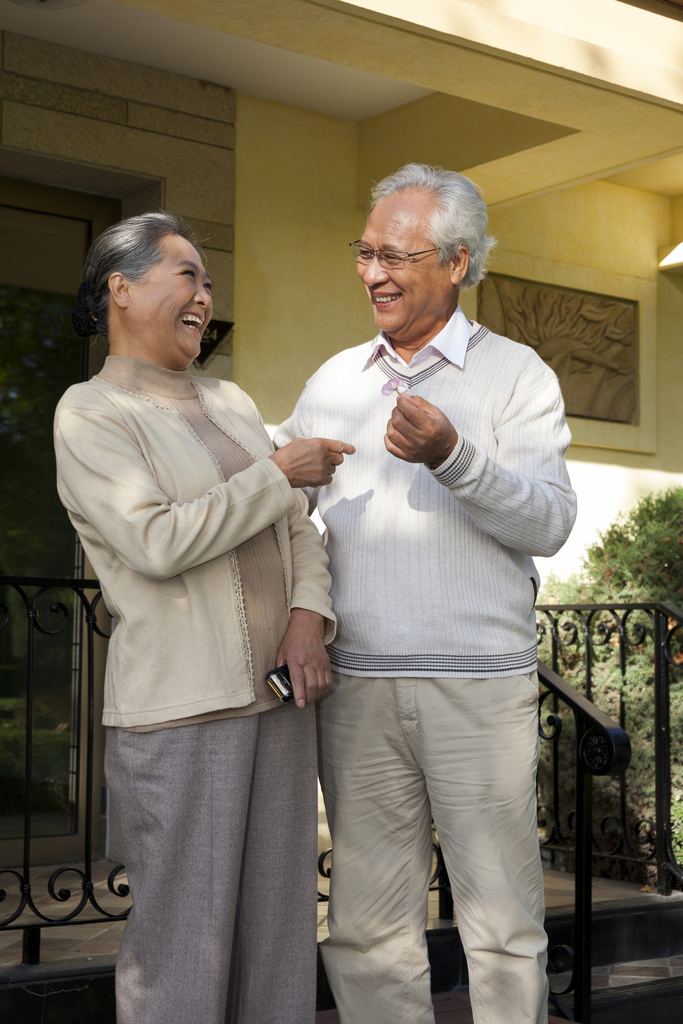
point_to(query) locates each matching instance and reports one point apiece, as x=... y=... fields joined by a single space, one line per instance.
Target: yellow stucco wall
x=297 y=297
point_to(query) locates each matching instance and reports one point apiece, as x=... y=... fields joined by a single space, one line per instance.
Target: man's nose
x=374 y=273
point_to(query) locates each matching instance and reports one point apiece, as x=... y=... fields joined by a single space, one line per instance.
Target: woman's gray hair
x=459 y=216
x=131 y=247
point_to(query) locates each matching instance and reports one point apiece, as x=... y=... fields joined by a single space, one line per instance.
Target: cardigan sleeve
x=104 y=479
x=310 y=578
x=523 y=496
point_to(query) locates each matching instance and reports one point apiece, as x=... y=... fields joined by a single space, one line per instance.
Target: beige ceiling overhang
x=532 y=97
x=612 y=101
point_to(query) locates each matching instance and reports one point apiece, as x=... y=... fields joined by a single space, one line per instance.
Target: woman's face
x=162 y=318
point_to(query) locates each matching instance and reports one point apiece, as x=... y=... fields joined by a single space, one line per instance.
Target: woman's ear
x=120 y=291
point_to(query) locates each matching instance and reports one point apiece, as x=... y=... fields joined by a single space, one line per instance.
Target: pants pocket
x=529 y=681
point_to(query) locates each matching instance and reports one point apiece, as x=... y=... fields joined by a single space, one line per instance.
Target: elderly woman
x=214 y=576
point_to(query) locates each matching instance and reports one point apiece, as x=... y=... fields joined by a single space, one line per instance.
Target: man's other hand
x=311 y=463
x=304 y=653
x=419 y=432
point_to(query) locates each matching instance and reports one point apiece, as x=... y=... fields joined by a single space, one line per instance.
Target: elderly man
x=431 y=530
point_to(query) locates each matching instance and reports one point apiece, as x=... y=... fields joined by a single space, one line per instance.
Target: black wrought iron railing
x=584 y=746
x=626 y=821
x=627 y=659
x=34 y=610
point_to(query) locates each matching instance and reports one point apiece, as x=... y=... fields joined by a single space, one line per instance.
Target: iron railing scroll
x=47 y=610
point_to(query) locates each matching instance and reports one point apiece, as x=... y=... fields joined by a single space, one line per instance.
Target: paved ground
x=102 y=938
x=449 y=1008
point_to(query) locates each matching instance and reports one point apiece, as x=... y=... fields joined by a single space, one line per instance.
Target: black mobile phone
x=280 y=683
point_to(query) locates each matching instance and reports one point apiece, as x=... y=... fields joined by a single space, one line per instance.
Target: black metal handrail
x=602 y=748
x=32 y=590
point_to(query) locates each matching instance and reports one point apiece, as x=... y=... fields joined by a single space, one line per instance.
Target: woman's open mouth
x=193 y=322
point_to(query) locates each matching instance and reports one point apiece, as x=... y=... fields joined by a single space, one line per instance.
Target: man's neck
x=407 y=348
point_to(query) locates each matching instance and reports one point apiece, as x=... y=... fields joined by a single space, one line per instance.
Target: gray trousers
x=220 y=838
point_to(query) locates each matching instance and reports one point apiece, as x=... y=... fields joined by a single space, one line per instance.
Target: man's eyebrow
x=387 y=247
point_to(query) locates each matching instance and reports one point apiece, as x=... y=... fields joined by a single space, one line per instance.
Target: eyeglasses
x=385 y=257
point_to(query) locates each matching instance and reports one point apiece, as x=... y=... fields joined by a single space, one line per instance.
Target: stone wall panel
x=82 y=102
x=79 y=68
x=183 y=126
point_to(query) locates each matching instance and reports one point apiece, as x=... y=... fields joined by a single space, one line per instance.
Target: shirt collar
x=451 y=342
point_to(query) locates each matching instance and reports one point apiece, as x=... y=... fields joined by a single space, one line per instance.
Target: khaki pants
x=396 y=752
x=219 y=833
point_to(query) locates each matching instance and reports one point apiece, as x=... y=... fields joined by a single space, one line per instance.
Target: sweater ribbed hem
x=430 y=665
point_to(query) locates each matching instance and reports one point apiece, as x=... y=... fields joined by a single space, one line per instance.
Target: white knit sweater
x=432 y=573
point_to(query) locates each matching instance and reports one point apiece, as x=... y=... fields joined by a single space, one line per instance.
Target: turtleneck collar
x=127 y=372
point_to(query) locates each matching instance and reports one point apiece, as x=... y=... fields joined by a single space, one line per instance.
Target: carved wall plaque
x=588 y=340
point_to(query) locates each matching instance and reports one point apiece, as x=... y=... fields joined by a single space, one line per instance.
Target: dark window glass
x=41 y=258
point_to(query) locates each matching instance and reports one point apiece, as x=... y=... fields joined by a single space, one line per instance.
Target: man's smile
x=385 y=300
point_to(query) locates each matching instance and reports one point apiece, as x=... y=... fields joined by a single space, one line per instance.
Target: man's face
x=411 y=304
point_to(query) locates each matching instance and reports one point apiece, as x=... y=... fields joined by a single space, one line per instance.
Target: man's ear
x=459 y=265
x=120 y=291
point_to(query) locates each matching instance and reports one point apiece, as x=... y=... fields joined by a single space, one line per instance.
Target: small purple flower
x=395 y=384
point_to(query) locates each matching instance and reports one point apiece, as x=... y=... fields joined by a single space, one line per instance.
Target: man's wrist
x=435 y=463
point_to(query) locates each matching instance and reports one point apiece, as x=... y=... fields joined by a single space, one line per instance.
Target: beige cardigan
x=160 y=524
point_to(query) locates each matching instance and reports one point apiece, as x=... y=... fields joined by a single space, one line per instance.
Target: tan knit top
x=259 y=559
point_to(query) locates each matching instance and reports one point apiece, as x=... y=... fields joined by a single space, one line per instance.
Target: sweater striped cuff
x=457 y=463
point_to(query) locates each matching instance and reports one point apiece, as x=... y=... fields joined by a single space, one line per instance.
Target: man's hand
x=303 y=651
x=419 y=432
x=311 y=463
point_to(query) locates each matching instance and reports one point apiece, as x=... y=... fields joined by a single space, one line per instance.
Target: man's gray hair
x=131 y=247
x=458 y=217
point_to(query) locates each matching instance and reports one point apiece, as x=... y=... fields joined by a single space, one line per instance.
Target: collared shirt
x=451 y=342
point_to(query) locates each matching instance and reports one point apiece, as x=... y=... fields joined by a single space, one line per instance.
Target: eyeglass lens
x=385 y=258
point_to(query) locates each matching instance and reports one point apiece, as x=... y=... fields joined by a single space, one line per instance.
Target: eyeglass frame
x=377 y=254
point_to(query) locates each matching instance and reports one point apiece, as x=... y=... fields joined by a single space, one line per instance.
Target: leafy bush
x=50 y=762
x=638 y=559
